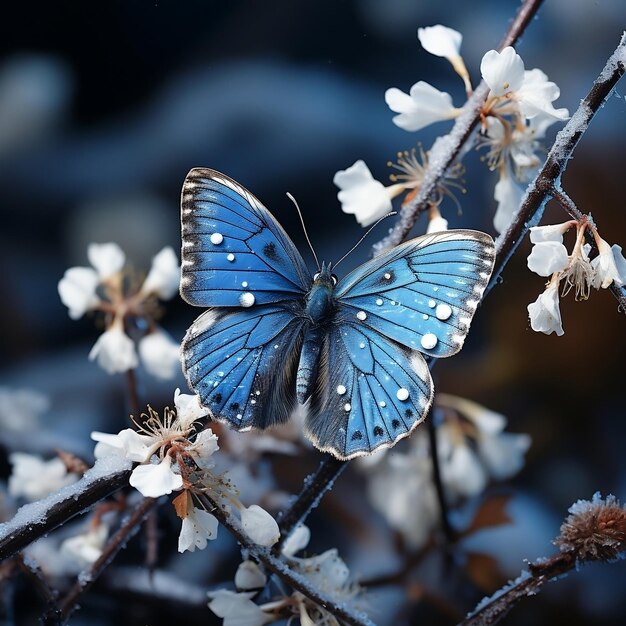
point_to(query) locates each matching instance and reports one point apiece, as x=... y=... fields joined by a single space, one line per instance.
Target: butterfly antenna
x=304 y=229
x=360 y=241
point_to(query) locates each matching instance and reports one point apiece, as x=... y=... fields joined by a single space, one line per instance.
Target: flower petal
x=544 y=313
x=77 y=290
x=163 y=278
x=156 y=479
x=548 y=257
x=197 y=528
x=107 y=258
x=188 y=409
x=259 y=525
x=114 y=351
x=362 y=195
x=440 y=40
x=249 y=576
x=502 y=71
x=424 y=106
x=160 y=355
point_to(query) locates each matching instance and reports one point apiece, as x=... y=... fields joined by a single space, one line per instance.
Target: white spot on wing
x=247 y=299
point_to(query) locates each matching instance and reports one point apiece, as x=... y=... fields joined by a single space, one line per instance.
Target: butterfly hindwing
x=370 y=392
x=243 y=364
x=232 y=245
x=423 y=293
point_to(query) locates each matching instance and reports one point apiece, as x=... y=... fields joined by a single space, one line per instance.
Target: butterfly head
x=325 y=277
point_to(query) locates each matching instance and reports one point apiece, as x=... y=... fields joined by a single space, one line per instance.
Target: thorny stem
x=278 y=567
x=456 y=139
x=118 y=541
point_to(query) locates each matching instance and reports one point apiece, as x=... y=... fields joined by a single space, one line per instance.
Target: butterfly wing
x=370 y=391
x=234 y=253
x=243 y=364
x=423 y=293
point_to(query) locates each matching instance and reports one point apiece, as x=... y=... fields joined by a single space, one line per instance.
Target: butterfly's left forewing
x=243 y=364
x=369 y=393
x=423 y=293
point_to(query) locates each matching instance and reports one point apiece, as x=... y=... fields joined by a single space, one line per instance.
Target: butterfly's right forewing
x=234 y=252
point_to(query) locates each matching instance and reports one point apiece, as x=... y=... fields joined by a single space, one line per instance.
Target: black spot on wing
x=378 y=431
x=356 y=435
x=269 y=251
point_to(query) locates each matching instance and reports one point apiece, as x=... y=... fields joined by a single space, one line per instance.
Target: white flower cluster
x=327 y=572
x=104 y=287
x=516 y=114
x=550 y=258
x=173 y=457
x=473 y=449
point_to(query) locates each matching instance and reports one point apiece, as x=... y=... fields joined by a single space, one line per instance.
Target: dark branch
x=76 y=499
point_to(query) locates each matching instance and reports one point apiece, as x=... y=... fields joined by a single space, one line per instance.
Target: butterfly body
x=275 y=336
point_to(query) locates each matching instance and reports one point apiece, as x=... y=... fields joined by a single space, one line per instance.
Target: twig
x=447 y=148
x=118 y=541
x=492 y=610
x=133 y=393
x=314 y=488
x=33 y=521
x=448 y=531
x=47 y=593
x=288 y=575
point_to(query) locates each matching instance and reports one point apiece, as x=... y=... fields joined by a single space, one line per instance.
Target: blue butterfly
x=275 y=336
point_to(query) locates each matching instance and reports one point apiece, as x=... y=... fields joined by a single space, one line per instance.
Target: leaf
x=181 y=504
x=491 y=512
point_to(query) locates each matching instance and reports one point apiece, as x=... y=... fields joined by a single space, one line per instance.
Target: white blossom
x=156 y=479
x=114 y=350
x=160 y=355
x=107 y=258
x=198 y=527
x=128 y=443
x=609 y=265
x=259 y=525
x=33 y=478
x=501 y=454
x=506 y=77
x=77 y=290
x=461 y=469
x=362 y=195
x=422 y=106
x=237 y=609
x=544 y=313
x=249 y=576
x=548 y=257
x=551 y=232
x=508 y=194
x=164 y=276
x=86 y=548
x=440 y=40
x=188 y=408
x=20 y=409
x=204 y=446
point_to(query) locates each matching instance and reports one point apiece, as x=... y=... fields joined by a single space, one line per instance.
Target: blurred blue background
x=105 y=107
